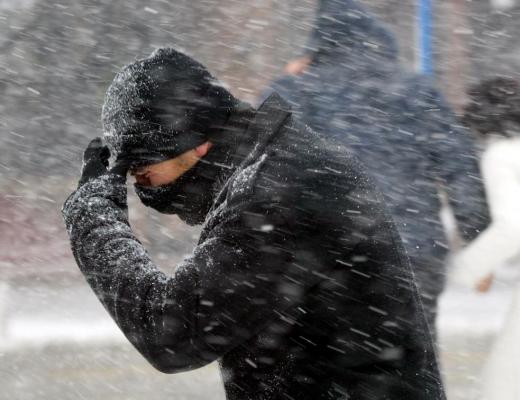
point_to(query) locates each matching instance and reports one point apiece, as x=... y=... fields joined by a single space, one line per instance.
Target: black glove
x=95 y=162
x=106 y=183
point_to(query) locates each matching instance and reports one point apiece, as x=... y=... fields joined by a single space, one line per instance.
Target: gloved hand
x=97 y=181
x=95 y=162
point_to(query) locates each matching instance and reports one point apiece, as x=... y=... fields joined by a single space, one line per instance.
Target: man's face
x=166 y=172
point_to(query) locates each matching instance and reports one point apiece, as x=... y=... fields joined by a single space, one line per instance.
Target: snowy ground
x=58 y=342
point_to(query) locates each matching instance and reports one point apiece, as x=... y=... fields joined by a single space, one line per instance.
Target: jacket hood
x=163 y=105
x=345 y=27
x=192 y=195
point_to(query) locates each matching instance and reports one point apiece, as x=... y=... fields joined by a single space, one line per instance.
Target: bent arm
x=491 y=249
x=499 y=242
x=238 y=279
x=153 y=310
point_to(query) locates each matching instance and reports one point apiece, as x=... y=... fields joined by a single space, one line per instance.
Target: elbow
x=172 y=360
x=172 y=346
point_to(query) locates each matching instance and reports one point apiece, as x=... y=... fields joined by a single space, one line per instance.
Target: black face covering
x=190 y=197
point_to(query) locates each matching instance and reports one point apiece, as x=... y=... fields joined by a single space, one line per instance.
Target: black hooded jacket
x=299 y=285
x=356 y=92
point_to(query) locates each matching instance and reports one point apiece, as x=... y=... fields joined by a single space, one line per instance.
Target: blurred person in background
x=494 y=114
x=350 y=85
x=299 y=284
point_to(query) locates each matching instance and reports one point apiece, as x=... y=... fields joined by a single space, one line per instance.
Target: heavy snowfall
x=57 y=341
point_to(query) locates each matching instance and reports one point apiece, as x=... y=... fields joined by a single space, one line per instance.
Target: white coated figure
x=499 y=244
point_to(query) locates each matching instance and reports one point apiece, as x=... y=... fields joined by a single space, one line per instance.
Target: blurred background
x=56 y=61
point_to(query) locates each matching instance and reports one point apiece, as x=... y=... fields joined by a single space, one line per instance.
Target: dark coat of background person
x=356 y=92
x=299 y=285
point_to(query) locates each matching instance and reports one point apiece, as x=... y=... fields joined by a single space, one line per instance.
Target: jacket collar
x=266 y=123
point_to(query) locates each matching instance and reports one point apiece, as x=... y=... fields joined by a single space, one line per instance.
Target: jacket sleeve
x=235 y=281
x=498 y=244
x=453 y=155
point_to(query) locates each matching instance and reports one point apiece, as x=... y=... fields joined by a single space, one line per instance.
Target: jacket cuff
x=108 y=186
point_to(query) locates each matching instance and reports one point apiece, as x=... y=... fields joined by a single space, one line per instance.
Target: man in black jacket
x=298 y=285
